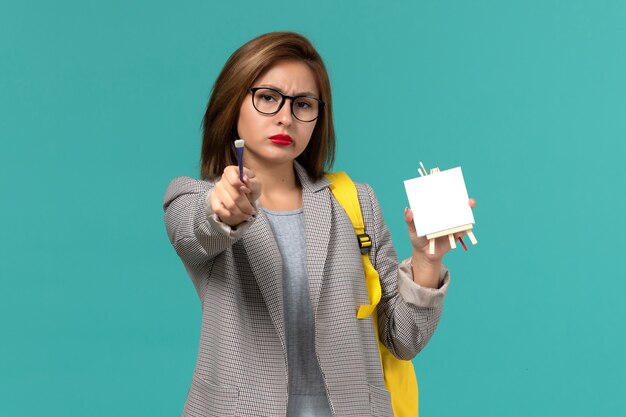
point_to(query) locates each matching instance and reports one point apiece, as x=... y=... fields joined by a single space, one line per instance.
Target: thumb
x=408 y=218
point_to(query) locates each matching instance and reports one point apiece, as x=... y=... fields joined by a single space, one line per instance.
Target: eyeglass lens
x=269 y=101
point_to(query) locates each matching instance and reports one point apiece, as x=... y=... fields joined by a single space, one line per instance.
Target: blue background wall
x=100 y=106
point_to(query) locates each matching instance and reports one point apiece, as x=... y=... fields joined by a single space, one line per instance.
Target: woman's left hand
x=422 y=261
x=420 y=244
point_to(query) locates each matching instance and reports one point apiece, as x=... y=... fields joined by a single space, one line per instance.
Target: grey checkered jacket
x=241 y=368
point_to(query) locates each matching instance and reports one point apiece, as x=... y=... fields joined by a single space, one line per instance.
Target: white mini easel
x=449 y=232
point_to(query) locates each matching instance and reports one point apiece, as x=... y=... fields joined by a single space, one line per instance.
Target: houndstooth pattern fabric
x=241 y=368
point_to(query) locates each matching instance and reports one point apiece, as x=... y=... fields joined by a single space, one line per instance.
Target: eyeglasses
x=269 y=101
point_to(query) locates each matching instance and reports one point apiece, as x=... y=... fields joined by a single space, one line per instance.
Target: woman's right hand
x=233 y=200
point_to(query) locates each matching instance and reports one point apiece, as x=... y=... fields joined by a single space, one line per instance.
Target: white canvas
x=439 y=201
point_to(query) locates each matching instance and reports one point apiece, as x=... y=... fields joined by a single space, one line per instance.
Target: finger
x=227 y=209
x=255 y=190
x=408 y=217
x=219 y=208
x=244 y=206
x=242 y=200
x=238 y=204
x=231 y=176
x=225 y=216
x=222 y=214
x=220 y=199
x=236 y=190
x=215 y=202
x=472 y=202
x=248 y=173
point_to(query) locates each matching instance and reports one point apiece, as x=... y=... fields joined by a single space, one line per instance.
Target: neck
x=281 y=188
x=277 y=177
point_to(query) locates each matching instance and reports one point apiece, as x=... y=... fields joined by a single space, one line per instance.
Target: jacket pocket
x=208 y=400
x=380 y=402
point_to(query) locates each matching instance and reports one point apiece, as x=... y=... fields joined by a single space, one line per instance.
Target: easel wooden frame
x=449 y=232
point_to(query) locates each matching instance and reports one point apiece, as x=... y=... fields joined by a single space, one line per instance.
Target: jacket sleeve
x=196 y=233
x=408 y=313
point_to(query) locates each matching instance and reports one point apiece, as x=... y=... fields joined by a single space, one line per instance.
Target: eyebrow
x=301 y=94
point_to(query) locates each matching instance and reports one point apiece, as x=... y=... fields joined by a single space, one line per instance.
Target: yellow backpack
x=399 y=375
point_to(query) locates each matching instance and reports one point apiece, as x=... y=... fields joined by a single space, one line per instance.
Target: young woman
x=274 y=257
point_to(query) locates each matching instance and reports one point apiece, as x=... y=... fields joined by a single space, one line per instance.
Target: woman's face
x=279 y=138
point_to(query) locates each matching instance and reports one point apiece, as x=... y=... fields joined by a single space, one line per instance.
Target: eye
x=304 y=103
x=267 y=95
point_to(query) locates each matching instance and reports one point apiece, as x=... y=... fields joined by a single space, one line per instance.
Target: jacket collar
x=309 y=184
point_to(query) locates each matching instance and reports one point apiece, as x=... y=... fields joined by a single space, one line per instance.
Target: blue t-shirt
x=307 y=392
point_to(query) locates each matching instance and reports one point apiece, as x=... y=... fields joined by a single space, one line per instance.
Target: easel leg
x=431 y=246
x=452 y=242
x=472 y=238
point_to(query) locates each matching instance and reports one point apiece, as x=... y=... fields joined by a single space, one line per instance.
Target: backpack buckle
x=365 y=243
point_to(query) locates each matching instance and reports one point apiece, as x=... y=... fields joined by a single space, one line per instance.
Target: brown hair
x=246 y=64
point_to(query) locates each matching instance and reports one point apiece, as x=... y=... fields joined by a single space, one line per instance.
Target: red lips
x=281 y=139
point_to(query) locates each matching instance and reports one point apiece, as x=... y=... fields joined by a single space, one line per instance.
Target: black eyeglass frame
x=284 y=98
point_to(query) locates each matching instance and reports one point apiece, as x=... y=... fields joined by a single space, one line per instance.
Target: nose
x=284 y=115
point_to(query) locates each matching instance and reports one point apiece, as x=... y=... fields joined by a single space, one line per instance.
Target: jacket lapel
x=267 y=267
x=316 y=203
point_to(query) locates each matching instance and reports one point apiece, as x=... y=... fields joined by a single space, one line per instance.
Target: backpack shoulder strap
x=346 y=194
x=399 y=375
